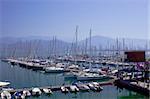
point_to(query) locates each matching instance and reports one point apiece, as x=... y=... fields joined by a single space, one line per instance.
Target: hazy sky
x=111 y=18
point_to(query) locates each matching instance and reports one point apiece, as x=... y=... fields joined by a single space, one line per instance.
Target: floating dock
x=35 y=66
x=58 y=88
x=25 y=64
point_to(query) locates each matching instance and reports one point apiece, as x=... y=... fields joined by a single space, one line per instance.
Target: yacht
x=54 y=70
x=3 y=84
x=90 y=76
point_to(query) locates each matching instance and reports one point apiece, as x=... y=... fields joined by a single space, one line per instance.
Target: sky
x=110 y=18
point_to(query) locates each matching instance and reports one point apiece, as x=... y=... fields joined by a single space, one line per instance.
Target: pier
x=35 y=66
x=25 y=64
x=58 y=88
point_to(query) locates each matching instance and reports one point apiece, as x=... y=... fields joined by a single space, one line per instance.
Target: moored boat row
x=9 y=93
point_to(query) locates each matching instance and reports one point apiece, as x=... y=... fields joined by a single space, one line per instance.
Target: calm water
x=21 y=77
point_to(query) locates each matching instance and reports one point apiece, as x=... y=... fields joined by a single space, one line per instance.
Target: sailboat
x=90 y=76
x=56 y=68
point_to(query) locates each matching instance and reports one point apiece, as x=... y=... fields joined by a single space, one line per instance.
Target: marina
x=74 y=49
x=84 y=74
x=78 y=74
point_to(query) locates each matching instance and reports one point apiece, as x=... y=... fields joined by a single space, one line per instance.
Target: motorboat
x=92 y=87
x=26 y=93
x=74 y=88
x=18 y=95
x=47 y=91
x=5 y=95
x=73 y=67
x=36 y=92
x=83 y=87
x=97 y=85
x=64 y=89
x=93 y=70
x=54 y=70
x=90 y=76
x=2 y=84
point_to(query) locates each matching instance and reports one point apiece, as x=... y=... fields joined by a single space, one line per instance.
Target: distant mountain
x=10 y=40
x=45 y=46
x=98 y=41
x=106 y=42
x=95 y=40
x=33 y=47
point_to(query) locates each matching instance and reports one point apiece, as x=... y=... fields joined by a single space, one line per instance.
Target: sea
x=23 y=78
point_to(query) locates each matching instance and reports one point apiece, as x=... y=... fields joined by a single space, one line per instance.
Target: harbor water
x=22 y=78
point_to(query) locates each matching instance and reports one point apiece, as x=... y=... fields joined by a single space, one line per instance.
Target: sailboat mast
x=90 y=41
x=86 y=44
x=76 y=47
x=55 y=49
x=76 y=44
x=90 y=49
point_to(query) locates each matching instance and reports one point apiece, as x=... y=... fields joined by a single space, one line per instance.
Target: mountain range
x=49 y=45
